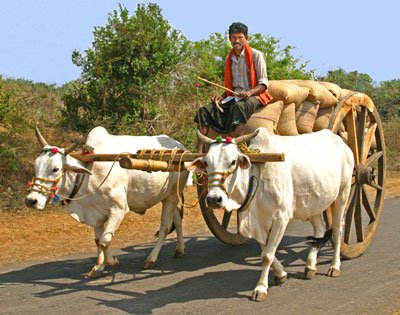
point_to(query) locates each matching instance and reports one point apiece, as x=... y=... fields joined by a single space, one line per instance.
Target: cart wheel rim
x=220 y=227
x=364 y=135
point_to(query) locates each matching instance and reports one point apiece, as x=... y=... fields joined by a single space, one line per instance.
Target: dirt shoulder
x=50 y=234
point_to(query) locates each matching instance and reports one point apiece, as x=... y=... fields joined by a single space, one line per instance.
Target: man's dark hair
x=238 y=27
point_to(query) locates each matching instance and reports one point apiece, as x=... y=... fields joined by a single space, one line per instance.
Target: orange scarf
x=263 y=97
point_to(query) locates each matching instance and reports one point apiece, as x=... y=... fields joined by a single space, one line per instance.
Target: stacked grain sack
x=300 y=106
x=278 y=116
x=306 y=107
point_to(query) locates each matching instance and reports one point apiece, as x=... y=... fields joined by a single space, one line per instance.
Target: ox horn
x=246 y=138
x=41 y=139
x=203 y=138
x=73 y=146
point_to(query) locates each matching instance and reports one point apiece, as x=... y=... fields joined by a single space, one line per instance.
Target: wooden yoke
x=163 y=160
x=151 y=165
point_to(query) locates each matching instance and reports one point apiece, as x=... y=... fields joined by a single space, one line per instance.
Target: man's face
x=238 y=41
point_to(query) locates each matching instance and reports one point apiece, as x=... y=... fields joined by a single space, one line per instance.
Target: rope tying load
x=154 y=160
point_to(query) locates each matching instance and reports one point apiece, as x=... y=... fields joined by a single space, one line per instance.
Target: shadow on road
x=132 y=289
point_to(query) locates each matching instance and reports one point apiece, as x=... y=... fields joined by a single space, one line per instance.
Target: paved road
x=212 y=278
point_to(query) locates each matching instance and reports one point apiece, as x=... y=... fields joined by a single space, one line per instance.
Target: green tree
x=355 y=81
x=387 y=98
x=132 y=61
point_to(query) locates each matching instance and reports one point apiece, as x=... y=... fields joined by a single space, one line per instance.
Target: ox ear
x=197 y=165
x=244 y=161
x=77 y=169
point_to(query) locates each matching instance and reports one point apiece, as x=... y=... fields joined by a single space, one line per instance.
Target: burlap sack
x=266 y=116
x=317 y=93
x=306 y=114
x=287 y=92
x=323 y=117
x=335 y=89
x=287 y=121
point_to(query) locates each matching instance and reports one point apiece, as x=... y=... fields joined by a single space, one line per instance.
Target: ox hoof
x=178 y=253
x=333 y=272
x=259 y=296
x=309 y=273
x=113 y=263
x=95 y=272
x=148 y=264
x=280 y=280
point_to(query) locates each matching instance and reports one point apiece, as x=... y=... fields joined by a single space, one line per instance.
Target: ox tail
x=320 y=242
x=173 y=225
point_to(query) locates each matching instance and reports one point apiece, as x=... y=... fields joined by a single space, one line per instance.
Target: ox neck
x=70 y=186
x=238 y=185
x=77 y=185
x=245 y=187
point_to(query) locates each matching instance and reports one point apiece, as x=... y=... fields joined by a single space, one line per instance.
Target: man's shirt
x=241 y=73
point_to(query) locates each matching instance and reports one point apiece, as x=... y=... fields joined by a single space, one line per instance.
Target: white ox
x=316 y=174
x=123 y=190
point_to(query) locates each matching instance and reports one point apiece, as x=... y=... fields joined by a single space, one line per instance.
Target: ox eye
x=56 y=169
x=233 y=162
x=205 y=164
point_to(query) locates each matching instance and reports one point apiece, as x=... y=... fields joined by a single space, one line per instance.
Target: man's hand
x=217 y=98
x=245 y=94
x=259 y=88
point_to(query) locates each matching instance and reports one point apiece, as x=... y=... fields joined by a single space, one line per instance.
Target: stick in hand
x=220 y=86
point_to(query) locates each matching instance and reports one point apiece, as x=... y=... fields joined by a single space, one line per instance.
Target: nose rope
x=222 y=179
x=51 y=191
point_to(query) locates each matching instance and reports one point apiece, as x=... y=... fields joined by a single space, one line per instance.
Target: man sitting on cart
x=246 y=74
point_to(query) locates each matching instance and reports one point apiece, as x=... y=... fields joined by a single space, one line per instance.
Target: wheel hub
x=364 y=175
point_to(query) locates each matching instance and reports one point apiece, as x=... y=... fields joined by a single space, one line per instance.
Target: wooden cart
x=364 y=135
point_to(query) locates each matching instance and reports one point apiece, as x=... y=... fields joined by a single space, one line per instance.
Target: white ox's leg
x=318 y=224
x=280 y=275
x=103 y=237
x=338 y=208
x=180 y=245
x=268 y=257
x=170 y=213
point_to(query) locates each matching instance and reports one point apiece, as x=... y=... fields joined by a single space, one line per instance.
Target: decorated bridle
x=224 y=175
x=52 y=189
x=228 y=140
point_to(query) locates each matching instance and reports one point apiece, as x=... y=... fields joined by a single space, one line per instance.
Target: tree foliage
x=131 y=60
x=387 y=98
x=355 y=81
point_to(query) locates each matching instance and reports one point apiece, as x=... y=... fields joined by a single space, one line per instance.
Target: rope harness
x=221 y=180
x=52 y=191
x=203 y=177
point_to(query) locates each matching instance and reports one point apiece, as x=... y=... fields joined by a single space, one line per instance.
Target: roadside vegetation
x=139 y=77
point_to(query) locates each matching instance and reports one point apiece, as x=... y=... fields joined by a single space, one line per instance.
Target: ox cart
x=352 y=115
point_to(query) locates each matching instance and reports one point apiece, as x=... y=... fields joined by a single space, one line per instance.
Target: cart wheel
x=364 y=135
x=219 y=227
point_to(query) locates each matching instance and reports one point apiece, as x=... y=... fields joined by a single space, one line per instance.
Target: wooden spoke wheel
x=218 y=221
x=357 y=121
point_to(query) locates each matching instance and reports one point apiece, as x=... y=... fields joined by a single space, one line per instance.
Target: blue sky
x=38 y=36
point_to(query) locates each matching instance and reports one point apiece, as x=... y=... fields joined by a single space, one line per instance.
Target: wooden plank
x=352 y=140
x=151 y=165
x=187 y=157
x=368 y=141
